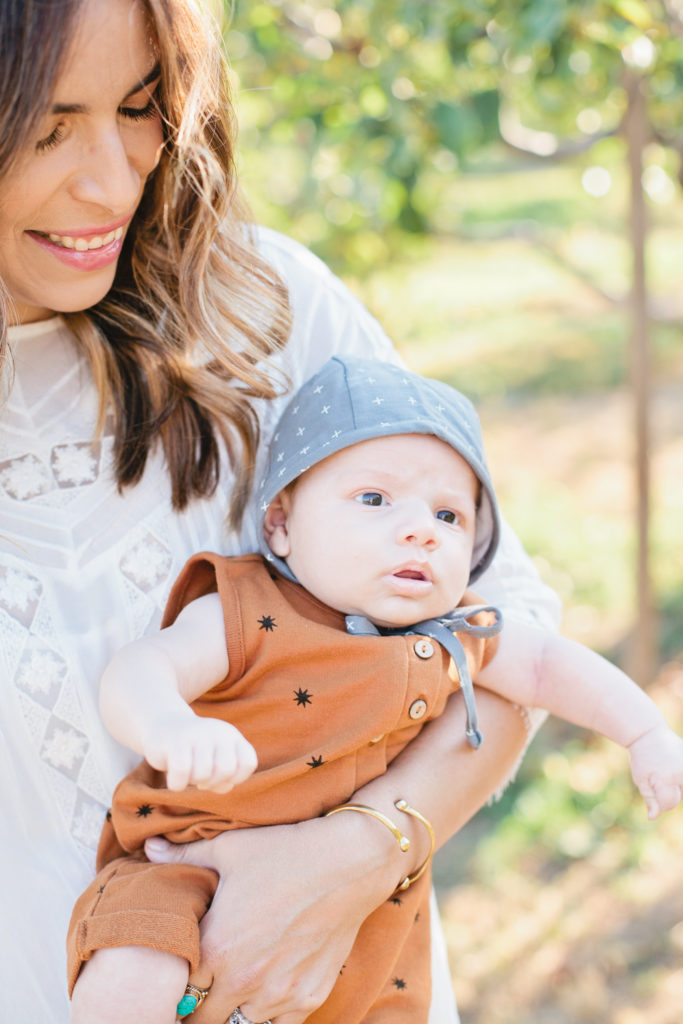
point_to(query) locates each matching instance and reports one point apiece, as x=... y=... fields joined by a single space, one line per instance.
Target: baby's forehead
x=408 y=443
x=422 y=455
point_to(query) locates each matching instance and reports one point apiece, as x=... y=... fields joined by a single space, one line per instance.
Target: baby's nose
x=420 y=527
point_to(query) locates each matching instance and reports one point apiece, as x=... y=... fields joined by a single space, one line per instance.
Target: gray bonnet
x=352 y=399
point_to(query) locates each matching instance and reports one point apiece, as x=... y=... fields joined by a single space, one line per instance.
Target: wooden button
x=423 y=648
x=417 y=709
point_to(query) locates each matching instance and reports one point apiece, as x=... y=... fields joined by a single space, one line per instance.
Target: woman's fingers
x=202 y=852
x=280 y=926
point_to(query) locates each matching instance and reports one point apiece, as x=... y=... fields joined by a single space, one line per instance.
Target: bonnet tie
x=444 y=630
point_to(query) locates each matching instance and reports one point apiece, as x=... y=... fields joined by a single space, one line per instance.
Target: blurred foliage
x=356 y=115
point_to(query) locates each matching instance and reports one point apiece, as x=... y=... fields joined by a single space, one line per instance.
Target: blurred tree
x=356 y=114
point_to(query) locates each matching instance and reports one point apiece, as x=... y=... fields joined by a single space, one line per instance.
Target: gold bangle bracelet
x=401 y=805
x=403 y=841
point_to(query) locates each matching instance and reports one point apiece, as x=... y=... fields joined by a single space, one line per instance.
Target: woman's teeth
x=84 y=244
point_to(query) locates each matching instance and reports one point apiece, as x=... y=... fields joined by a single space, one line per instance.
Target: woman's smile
x=79 y=252
x=81 y=241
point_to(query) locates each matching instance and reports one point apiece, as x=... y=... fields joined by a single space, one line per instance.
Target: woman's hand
x=290 y=902
x=292 y=897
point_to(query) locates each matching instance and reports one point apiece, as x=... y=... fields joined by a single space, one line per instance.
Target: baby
x=281 y=683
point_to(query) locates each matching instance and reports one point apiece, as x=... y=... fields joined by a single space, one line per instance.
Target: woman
x=146 y=336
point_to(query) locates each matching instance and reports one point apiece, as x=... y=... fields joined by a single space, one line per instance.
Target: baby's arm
x=539 y=669
x=146 y=690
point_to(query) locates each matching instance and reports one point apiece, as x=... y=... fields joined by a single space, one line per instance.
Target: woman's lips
x=82 y=253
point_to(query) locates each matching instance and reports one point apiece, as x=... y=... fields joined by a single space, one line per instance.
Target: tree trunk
x=643 y=655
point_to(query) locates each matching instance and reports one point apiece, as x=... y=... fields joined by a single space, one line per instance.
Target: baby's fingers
x=653 y=808
x=221 y=777
x=179 y=770
x=666 y=793
x=245 y=761
x=232 y=764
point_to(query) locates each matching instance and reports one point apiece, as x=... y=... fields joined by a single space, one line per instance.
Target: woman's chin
x=79 y=298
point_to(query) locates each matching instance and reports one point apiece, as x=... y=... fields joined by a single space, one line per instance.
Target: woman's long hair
x=179 y=346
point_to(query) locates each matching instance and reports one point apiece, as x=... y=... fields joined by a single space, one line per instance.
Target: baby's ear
x=275 y=525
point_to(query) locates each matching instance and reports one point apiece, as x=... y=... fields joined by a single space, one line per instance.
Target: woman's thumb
x=160 y=851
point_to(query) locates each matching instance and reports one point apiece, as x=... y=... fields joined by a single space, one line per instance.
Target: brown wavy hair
x=179 y=346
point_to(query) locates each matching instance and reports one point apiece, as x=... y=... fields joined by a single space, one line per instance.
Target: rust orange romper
x=326 y=712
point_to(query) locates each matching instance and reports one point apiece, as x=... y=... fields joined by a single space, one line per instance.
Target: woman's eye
x=58 y=133
x=370 y=498
x=140 y=113
x=51 y=140
x=447 y=515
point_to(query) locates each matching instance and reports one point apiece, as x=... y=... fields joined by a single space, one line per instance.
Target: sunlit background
x=465 y=167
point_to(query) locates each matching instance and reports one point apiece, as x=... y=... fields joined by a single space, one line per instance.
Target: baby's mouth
x=411 y=574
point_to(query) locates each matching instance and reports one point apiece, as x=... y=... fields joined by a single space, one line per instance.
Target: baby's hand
x=195 y=751
x=657 y=769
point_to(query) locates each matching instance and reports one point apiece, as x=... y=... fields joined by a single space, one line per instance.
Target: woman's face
x=67 y=203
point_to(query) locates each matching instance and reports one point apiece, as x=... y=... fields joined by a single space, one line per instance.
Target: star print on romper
x=144 y=810
x=267 y=622
x=302 y=697
x=315 y=762
x=398 y=983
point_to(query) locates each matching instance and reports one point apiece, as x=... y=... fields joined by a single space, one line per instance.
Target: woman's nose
x=108 y=176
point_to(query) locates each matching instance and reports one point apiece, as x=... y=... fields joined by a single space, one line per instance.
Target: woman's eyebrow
x=150 y=77
x=81 y=108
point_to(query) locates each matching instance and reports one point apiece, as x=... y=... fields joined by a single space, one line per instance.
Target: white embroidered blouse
x=83 y=570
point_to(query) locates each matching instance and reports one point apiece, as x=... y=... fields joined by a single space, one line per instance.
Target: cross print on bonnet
x=353 y=399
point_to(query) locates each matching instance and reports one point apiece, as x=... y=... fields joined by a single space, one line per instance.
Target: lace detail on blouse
x=79 y=573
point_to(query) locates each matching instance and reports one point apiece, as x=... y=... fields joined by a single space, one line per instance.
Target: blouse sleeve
x=327 y=316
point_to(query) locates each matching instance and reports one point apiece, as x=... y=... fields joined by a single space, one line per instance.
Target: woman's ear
x=275 y=525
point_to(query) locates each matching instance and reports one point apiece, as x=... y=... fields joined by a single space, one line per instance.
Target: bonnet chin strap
x=443 y=630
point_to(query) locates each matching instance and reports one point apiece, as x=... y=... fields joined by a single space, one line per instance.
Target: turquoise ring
x=192 y=998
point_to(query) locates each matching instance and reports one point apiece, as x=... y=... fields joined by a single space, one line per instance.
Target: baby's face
x=383 y=529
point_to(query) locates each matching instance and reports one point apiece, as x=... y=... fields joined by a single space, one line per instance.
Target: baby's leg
x=127 y=985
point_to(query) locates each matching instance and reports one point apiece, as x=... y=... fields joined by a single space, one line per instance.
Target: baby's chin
x=404 y=616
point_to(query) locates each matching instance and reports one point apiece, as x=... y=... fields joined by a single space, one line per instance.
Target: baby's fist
x=657 y=769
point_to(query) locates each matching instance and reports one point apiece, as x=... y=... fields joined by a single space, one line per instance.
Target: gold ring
x=192 y=998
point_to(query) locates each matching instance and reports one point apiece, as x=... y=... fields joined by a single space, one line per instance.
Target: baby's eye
x=447 y=515
x=370 y=498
